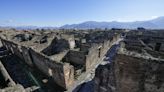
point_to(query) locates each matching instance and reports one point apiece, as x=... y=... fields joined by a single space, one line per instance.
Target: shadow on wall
x=56 y=46
x=85 y=87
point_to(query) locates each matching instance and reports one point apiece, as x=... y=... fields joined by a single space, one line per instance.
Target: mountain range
x=157 y=23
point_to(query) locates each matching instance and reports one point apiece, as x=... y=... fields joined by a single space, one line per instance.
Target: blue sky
x=60 y=12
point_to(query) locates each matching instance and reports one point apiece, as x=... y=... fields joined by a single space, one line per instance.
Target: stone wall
x=62 y=73
x=130 y=74
x=75 y=57
x=105 y=47
x=93 y=57
x=54 y=69
x=139 y=75
x=162 y=47
x=56 y=46
x=68 y=75
x=96 y=53
x=7 y=79
x=104 y=80
x=13 y=47
x=27 y=56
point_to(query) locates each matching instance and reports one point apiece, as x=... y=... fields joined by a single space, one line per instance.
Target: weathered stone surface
x=130 y=74
x=23 y=37
x=16 y=88
x=135 y=74
x=105 y=79
x=8 y=80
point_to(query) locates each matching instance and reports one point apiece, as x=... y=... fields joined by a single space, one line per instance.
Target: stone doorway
x=157 y=46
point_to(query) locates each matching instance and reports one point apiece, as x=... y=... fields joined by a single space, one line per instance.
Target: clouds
x=154 y=17
x=9 y=21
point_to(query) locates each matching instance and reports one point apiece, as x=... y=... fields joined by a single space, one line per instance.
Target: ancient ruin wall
x=61 y=73
x=27 y=56
x=130 y=74
x=68 y=74
x=104 y=80
x=57 y=71
x=75 y=57
x=139 y=75
x=96 y=53
x=92 y=58
x=13 y=47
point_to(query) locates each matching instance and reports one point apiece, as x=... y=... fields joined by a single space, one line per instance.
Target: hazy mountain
x=157 y=23
x=20 y=27
x=27 y=27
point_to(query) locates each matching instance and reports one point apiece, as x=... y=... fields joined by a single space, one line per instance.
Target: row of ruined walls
x=62 y=73
x=90 y=56
x=98 y=51
x=156 y=43
x=83 y=61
